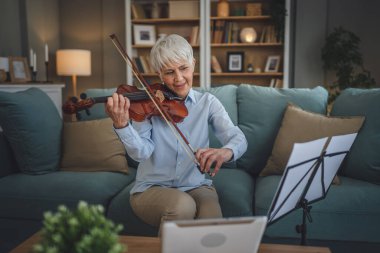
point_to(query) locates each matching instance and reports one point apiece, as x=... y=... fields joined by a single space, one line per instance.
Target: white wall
x=316 y=18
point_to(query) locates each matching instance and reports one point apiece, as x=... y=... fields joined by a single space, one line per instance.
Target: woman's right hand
x=117 y=109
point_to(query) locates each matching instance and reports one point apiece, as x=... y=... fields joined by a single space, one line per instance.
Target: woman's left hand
x=209 y=156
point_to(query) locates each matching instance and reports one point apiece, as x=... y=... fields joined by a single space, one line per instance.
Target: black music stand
x=307 y=178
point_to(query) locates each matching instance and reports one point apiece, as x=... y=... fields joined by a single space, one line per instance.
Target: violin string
x=189 y=150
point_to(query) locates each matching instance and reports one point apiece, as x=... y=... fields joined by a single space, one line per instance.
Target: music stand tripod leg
x=302 y=228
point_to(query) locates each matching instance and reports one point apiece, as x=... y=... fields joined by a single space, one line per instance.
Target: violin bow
x=168 y=119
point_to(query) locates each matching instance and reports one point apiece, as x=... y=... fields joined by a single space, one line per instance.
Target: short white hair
x=170 y=49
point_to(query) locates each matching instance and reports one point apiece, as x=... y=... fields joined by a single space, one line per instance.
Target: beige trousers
x=158 y=204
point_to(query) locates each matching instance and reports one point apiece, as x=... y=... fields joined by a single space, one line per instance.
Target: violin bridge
x=160 y=96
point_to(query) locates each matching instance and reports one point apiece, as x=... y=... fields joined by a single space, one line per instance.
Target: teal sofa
x=348 y=219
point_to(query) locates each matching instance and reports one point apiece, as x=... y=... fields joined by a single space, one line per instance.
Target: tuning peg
x=87 y=112
x=74 y=99
x=83 y=96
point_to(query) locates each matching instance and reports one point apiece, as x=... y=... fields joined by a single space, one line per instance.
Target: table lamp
x=73 y=62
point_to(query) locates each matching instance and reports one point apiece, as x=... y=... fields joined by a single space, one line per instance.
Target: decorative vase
x=223 y=8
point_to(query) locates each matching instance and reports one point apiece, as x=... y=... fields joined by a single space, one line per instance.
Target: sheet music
x=295 y=178
x=305 y=151
x=300 y=153
x=340 y=143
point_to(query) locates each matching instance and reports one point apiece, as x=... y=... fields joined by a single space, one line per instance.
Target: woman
x=169 y=186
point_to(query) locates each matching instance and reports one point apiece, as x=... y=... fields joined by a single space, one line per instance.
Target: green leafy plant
x=82 y=230
x=341 y=54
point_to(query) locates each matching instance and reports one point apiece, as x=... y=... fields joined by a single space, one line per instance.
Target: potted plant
x=341 y=54
x=83 y=230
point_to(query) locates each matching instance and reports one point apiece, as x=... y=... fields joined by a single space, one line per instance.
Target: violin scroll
x=74 y=105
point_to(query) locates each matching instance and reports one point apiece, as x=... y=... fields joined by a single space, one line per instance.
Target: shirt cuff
x=127 y=133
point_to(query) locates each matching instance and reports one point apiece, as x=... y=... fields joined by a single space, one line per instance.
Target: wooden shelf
x=255 y=54
x=242 y=18
x=164 y=20
x=247 y=74
x=246 y=44
x=149 y=47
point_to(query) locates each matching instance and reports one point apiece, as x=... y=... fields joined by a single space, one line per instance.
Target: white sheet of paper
x=301 y=152
x=339 y=143
x=294 y=180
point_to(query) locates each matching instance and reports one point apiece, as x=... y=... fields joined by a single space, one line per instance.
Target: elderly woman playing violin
x=169 y=186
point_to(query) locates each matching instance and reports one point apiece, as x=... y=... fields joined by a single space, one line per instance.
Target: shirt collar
x=190 y=97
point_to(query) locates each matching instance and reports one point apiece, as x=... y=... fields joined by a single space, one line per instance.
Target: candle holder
x=47 y=71
x=34 y=76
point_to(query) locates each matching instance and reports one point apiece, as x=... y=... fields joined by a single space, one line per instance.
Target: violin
x=141 y=106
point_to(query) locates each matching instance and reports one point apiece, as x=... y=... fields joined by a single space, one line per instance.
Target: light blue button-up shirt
x=163 y=161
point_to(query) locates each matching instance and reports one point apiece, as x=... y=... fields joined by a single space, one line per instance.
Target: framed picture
x=273 y=63
x=235 y=61
x=144 y=34
x=19 y=70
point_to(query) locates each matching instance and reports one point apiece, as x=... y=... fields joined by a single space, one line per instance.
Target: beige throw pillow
x=92 y=146
x=301 y=126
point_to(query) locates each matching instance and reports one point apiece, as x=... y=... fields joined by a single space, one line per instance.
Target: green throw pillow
x=261 y=110
x=32 y=125
x=363 y=161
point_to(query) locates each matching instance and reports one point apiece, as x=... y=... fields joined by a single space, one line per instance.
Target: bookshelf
x=203 y=22
x=142 y=13
x=225 y=39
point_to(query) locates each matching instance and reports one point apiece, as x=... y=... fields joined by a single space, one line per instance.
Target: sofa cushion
x=226 y=94
x=260 y=112
x=235 y=189
x=350 y=212
x=7 y=162
x=363 y=161
x=32 y=125
x=92 y=146
x=300 y=126
x=25 y=196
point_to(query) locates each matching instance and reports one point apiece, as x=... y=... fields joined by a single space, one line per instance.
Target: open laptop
x=238 y=235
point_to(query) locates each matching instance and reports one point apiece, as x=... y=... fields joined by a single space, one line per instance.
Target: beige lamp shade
x=73 y=62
